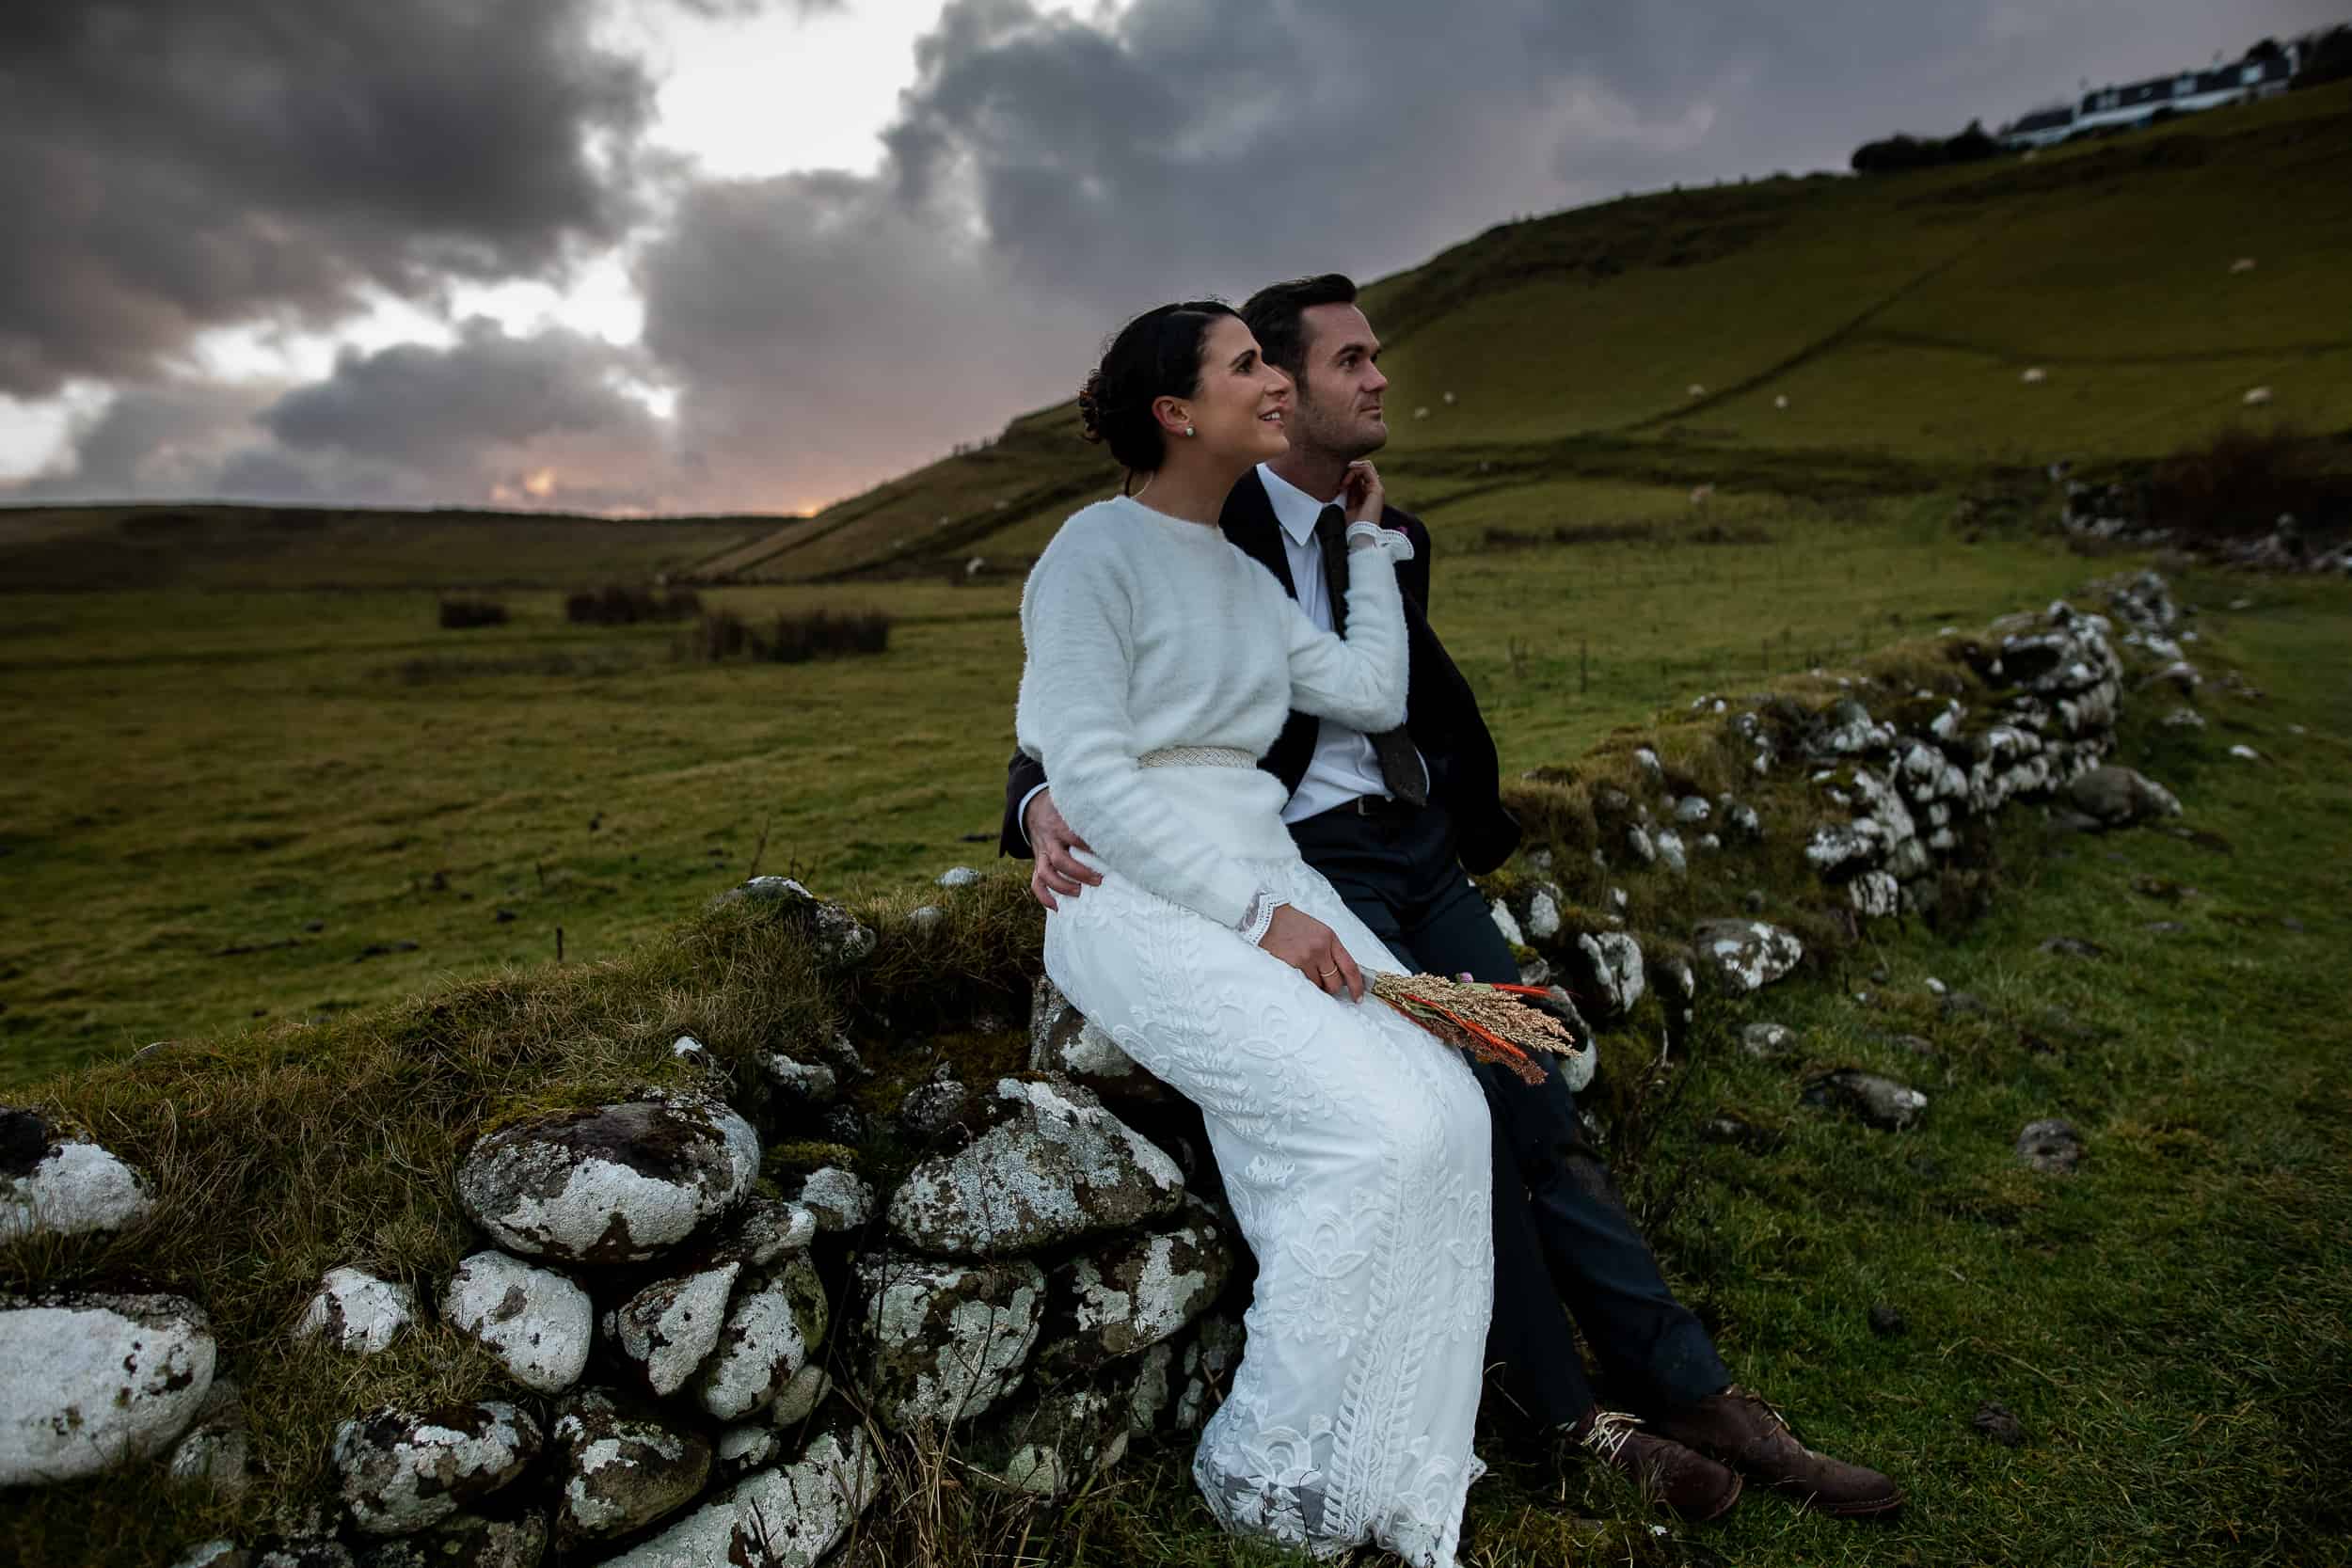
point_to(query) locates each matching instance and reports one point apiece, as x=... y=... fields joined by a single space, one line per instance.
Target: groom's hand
x=1051 y=841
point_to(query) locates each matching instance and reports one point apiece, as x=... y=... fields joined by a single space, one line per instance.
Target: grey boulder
x=502 y=1540
x=833 y=934
x=1135 y=1292
x=217 y=1453
x=537 y=1322
x=1610 y=967
x=2117 y=796
x=839 y=1200
x=356 y=1311
x=669 y=1329
x=90 y=1381
x=785 y=1517
x=1063 y=1040
x=948 y=1340
x=615 y=1184
x=1744 y=956
x=2050 y=1145
x=1058 y=1169
x=1881 y=1101
x=776 y=1322
x=1053 y=1442
x=402 y=1470
x=56 y=1185
x=620 y=1467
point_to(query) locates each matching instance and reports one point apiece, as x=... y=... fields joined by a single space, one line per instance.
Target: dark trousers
x=1561 y=1228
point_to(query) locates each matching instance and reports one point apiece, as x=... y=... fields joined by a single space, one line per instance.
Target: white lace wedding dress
x=1354 y=1148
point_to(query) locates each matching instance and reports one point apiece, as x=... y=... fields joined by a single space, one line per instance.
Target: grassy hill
x=1895 y=315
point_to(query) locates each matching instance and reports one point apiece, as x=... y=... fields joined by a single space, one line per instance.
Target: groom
x=1391 y=821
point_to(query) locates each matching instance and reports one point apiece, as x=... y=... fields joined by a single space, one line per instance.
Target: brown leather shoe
x=1740 y=1429
x=1670 y=1475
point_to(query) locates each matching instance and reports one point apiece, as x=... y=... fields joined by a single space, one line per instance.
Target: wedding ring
x=1333 y=970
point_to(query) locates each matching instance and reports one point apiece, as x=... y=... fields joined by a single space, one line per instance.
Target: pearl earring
x=1187 y=429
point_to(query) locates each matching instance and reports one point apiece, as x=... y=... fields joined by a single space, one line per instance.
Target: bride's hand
x=1309 y=946
x=1361 y=494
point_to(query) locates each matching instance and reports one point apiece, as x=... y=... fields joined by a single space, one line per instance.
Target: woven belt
x=1197 y=756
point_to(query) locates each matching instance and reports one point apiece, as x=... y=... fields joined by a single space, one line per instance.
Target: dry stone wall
x=702 y=1361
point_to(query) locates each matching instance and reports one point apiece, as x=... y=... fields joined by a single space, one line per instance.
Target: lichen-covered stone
x=800 y=1082
x=1063 y=1040
x=767 y=1434
x=1058 y=1169
x=948 y=1340
x=2050 y=1145
x=325 y=1551
x=56 y=1185
x=620 y=1467
x=90 y=1381
x=1135 y=1292
x=615 y=1184
x=1043 y=1447
x=775 y=1325
x=1743 y=955
x=833 y=933
x=1207 y=1369
x=217 y=1453
x=1881 y=1101
x=403 y=1470
x=506 y=1538
x=785 y=1518
x=839 y=1200
x=1765 y=1041
x=1875 y=893
x=1543 y=913
x=537 y=1322
x=2119 y=796
x=668 y=1328
x=1611 y=970
x=1151 y=1391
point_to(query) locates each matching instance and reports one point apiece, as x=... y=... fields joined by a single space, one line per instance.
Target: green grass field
x=244 y=807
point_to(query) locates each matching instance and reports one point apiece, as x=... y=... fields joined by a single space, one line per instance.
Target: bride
x=1354 y=1148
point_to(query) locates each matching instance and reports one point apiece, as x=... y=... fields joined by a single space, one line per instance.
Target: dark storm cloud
x=170 y=166
x=412 y=403
x=546 y=421
x=1047 y=175
x=822 y=334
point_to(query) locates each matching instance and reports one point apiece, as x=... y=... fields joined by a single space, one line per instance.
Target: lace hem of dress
x=1258 y=918
x=1288 y=1506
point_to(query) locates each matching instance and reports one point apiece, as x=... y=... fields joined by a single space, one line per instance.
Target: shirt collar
x=1295 y=510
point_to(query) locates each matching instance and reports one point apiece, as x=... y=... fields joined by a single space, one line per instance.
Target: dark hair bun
x=1155 y=356
x=1090 y=406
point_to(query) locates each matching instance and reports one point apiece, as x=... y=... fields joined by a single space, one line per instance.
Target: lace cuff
x=1399 y=545
x=1259 y=917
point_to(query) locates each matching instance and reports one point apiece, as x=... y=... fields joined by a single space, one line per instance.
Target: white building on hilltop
x=2136 y=103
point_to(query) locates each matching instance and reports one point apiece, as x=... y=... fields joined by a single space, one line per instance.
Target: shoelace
x=1752 y=1396
x=1609 y=1433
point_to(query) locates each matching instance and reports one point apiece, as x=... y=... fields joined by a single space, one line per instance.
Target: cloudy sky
x=626 y=255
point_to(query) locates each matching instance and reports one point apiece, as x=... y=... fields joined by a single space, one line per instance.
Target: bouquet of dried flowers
x=1490 y=1022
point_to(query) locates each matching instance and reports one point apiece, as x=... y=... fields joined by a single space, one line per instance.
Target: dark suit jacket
x=1441 y=711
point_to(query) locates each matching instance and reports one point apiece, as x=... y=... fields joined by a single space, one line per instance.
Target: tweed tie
x=1400 y=764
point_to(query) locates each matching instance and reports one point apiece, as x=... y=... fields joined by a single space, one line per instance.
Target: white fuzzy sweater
x=1145 y=632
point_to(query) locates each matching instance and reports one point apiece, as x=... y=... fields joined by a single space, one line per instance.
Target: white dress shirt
x=1344 y=765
